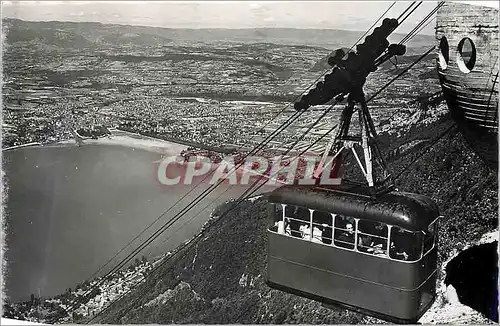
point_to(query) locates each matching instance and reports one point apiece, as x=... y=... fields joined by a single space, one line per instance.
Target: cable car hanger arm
x=348 y=77
x=351 y=73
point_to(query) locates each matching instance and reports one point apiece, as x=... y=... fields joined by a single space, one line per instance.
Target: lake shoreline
x=78 y=179
x=118 y=137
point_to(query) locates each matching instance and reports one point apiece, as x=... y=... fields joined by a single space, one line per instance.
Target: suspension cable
x=261 y=145
x=196 y=201
x=422 y=22
x=287 y=123
x=422 y=28
x=178 y=215
x=374 y=95
x=412 y=32
x=403 y=72
x=406 y=10
x=373 y=25
x=250 y=192
x=425 y=151
x=371 y=98
x=220 y=218
x=277 y=131
x=243 y=196
x=154 y=235
x=411 y=12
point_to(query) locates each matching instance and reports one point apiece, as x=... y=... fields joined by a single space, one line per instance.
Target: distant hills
x=88 y=34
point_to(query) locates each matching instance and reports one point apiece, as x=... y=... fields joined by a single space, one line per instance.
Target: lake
x=70 y=209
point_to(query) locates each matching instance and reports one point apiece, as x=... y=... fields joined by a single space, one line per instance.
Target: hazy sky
x=219 y=14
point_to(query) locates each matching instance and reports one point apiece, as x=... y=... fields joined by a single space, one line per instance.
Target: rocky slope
x=219 y=277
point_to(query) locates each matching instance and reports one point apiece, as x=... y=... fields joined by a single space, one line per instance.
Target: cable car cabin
x=377 y=257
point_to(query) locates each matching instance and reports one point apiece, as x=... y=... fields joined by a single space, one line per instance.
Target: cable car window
x=345 y=228
x=296 y=219
x=405 y=245
x=277 y=218
x=430 y=237
x=322 y=221
x=372 y=237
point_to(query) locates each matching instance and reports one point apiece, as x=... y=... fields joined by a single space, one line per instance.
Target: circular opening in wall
x=466 y=56
x=444 y=53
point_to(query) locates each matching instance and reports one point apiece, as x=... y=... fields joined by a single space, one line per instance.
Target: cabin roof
x=409 y=211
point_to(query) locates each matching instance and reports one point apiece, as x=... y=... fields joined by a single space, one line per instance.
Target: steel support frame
x=366 y=141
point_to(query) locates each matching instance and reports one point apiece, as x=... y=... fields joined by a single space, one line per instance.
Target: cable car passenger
x=317 y=235
x=372 y=237
x=405 y=245
x=296 y=217
x=344 y=231
x=281 y=227
x=306 y=233
x=323 y=222
x=326 y=235
x=397 y=253
x=278 y=219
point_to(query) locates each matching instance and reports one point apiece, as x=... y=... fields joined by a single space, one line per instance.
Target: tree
x=144 y=260
x=137 y=262
x=32 y=298
x=77 y=316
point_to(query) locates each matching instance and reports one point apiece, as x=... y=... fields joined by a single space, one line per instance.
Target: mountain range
x=92 y=33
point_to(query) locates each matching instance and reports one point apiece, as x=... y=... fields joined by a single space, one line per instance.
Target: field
x=178 y=83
